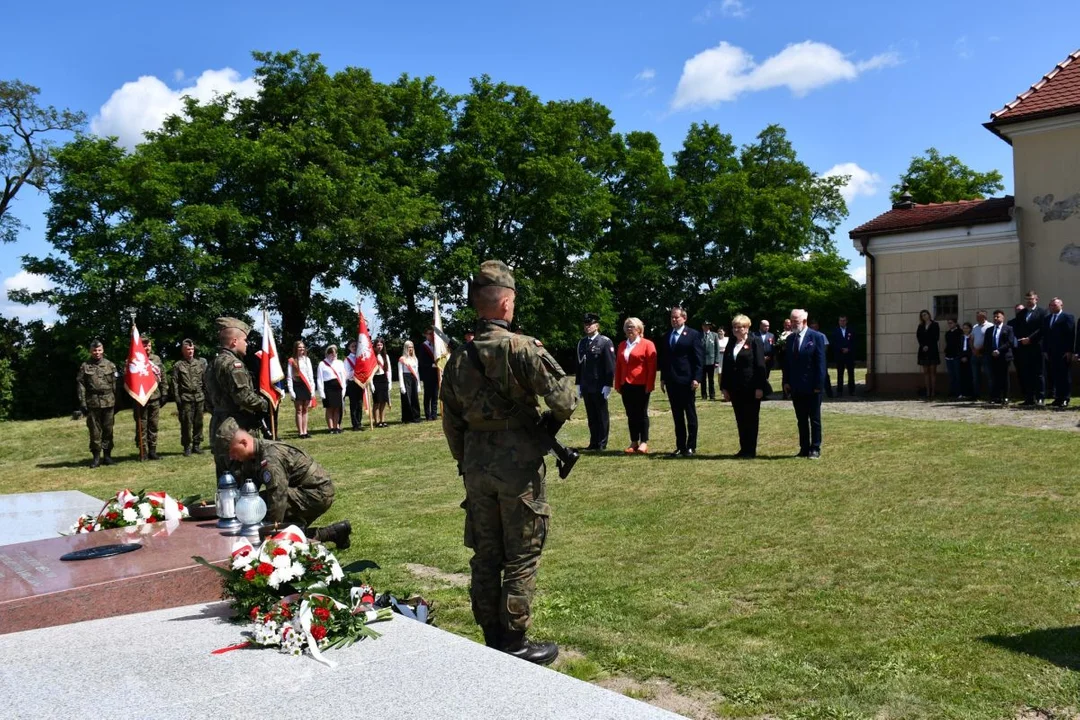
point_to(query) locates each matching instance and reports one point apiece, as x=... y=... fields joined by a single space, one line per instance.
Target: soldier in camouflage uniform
x=229 y=384
x=189 y=395
x=506 y=510
x=148 y=415
x=297 y=490
x=96 y=383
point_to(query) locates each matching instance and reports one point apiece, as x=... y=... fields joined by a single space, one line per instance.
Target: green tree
x=936 y=178
x=25 y=155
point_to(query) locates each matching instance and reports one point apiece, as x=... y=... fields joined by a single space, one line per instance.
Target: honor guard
x=96 y=383
x=595 y=376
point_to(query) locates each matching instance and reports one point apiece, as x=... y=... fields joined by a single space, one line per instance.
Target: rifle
x=544 y=423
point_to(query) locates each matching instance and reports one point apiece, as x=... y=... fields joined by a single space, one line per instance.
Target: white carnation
x=281 y=562
x=335 y=571
x=297 y=570
x=130 y=515
x=145 y=510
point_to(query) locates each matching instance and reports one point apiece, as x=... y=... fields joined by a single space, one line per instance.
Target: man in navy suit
x=1058 y=345
x=843 y=347
x=998 y=344
x=804 y=379
x=683 y=361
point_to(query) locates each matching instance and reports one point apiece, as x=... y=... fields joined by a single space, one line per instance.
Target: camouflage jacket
x=96 y=383
x=278 y=467
x=234 y=394
x=161 y=392
x=187 y=380
x=524 y=371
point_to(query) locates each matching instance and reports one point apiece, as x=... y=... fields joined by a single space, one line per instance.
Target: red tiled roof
x=936 y=215
x=1057 y=93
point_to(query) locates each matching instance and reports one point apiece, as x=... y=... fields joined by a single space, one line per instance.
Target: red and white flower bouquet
x=130 y=509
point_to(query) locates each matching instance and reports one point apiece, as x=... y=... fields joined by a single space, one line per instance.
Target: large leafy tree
x=934 y=178
x=25 y=152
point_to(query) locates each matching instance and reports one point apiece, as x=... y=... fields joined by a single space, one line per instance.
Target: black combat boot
x=107 y=460
x=493 y=636
x=196 y=449
x=96 y=461
x=152 y=454
x=514 y=643
x=338 y=533
x=187 y=451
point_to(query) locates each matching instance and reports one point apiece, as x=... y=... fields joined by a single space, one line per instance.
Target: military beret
x=494 y=272
x=225 y=433
x=223 y=323
x=591 y=318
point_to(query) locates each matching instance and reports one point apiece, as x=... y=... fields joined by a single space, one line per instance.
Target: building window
x=946 y=307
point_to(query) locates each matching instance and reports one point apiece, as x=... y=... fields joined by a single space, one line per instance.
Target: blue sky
x=859 y=85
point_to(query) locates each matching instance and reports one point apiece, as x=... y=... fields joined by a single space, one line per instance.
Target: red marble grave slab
x=38 y=590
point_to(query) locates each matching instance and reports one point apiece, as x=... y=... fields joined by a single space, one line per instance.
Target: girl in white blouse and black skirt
x=331 y=379
x=408 y=379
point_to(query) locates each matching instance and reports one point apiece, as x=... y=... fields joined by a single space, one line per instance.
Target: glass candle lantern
x=225 y=501
x=250 y=510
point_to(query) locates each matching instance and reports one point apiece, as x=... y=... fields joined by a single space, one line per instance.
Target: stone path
x=1033 y=418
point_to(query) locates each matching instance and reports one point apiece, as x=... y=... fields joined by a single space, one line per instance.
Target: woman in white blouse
x=301 y=384
x=382 y=381
x=408 y=380
x=331 y=380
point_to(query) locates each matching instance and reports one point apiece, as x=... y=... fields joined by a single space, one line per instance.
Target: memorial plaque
x=40 y=516
x=38 y=590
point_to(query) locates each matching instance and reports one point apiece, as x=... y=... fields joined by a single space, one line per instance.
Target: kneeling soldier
x=297 y=490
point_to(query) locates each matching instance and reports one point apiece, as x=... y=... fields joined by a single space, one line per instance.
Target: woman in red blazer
x=635 y=376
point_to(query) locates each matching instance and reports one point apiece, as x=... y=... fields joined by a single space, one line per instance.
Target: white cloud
x=725 y=8
x=722 y=73
x=145 y=103
x=646 y=74
x=860 y=181
x=23 y=280
x=963 y=51
x=733 y=8
x=858 y=273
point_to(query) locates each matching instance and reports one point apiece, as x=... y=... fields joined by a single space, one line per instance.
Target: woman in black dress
x=381 y=380
x=409 y=380
x=742 y=382
x=929 y=358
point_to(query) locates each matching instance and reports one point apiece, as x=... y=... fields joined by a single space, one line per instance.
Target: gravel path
x=1035 y=418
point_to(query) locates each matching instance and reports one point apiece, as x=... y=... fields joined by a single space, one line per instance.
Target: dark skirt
x=410 y=400
x=382 y=388
x=332 y=388
x=930 y=356
x=303 y=395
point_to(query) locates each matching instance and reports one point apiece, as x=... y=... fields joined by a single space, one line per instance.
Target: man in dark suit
x=768 y=342
x=805 y=371
x=1029 y=327
x=998 y=346
x=595 y=377
x=843 y=347
x=682 y=364
x=429 y=375
x=1058 y=345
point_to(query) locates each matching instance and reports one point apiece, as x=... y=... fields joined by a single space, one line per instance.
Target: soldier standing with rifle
x=499 y=437
x=96 y=383
x=230 y=387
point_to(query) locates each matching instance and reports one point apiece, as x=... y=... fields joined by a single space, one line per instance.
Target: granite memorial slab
x=412 y=671
x=37 y=589
x=40 y=516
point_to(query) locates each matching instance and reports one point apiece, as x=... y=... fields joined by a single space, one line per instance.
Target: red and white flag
x=140 y=376
x=270 y=371
x=364 y=367
x=441 y=351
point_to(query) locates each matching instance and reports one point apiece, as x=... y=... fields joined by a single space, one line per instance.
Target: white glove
x=292 y=395
x=403 y=391
x=605 y=391
x=579 y=391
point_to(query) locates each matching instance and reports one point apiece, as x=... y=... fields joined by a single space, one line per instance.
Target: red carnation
x=316 y=567
x=318 y=632
x=180 y=506
x=254 y=612
x=278 y=551
x=249 y=575
x=151 y=519
x=265 y=569
x=322 y=613
x=111 y=516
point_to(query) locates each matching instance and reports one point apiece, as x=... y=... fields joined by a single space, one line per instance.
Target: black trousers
x=710 y=381
x=808 y=416
x=845 y=362
x=596 y=410
x=431 y=396
x=999 y=379
x=684 y=411
x=635 y=400
x=1030 y=368
x=1058 y=377
x=355 y=393
x=410 y=404
x=747 y=416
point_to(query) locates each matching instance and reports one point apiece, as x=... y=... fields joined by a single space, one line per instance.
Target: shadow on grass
x=1061 y=645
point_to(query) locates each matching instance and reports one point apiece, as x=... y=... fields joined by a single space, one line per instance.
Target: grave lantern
x=250 y=510
x=225 y=501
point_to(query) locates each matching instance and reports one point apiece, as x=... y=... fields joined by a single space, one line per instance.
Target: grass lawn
x=919 y=570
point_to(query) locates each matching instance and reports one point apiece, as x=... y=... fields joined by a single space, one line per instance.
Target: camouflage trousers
x=305 y=506
x=191 y=422
x=99 y=421
x=506 y=523
x=146 y=423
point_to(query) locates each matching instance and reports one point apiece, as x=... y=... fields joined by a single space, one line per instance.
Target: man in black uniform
x=595 y=377
x=1029 y=358
x=429 y=374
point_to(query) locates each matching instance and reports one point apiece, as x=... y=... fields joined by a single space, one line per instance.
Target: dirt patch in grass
x=429 y=573
x=663 y=694
x=1030 y=713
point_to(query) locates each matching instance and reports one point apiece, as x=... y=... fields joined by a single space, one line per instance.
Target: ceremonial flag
x=365 y=355
x=140 y=375
x=441 y=351
x=270 y=371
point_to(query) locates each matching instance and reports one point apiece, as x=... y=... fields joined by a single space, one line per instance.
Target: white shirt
x=304 y=364
x=406 y=367
x=328 y=372
x=630 y=346
x=739 y=347
x=978 y=334
x=800 y=335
